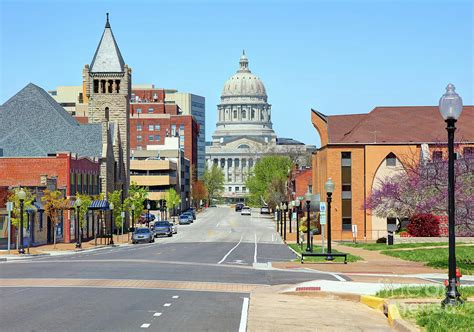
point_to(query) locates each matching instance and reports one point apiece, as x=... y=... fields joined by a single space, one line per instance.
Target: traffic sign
x=322 y=213
x=322 y=206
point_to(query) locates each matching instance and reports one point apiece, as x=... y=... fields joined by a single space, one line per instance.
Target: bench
x=323 y=255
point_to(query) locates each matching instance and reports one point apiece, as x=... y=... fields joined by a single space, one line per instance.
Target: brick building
x=152 y=119
x=301 y=182
x=359 y=150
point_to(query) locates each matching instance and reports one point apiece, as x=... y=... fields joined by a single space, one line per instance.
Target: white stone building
x=244 y=132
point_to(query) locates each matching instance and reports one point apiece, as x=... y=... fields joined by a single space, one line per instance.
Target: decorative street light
x=450 y=107
x=285 y=210
x=297 y=208
x=133 y=217
x=292 y=209
x=329 y=187
x=278 y=217
x=21 y=197
x=111 y=207
x=78 y=204
x=308 y=197
x=148 y=213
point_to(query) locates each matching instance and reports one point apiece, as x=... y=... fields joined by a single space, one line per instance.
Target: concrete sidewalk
x=270 y=310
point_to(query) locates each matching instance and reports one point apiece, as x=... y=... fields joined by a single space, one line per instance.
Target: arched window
x=391 y=160
x=243 y=146
x=107 y=114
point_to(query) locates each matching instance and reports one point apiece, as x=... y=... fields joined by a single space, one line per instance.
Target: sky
x=338 y=57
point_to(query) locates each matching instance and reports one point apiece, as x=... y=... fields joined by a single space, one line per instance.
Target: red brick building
x=151 y=120
x=301 y=182
x=73 y=175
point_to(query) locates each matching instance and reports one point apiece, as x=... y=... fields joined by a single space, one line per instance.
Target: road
x=197 y=280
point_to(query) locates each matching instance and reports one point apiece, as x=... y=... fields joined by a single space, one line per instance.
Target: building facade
x=191 y=104
x=359 y=150
x=244 y=132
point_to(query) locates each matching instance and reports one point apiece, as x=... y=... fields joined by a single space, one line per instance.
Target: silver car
x=144 y=235
x=246 y=211
x=162 y=228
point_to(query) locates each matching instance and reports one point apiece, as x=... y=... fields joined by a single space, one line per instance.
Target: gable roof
x=32 y=123
x=107 y=57
x=401 y=124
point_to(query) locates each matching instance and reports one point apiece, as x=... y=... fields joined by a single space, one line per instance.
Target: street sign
x=9 y=206
x=322 y=213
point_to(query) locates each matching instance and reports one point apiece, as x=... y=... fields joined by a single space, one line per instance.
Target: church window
x=107 y=114
x=96 y=86
x=117 y=86
x=391 y=160
x=110 y=84
x=102 y=86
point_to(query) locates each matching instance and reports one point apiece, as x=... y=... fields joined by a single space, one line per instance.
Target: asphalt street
x=221 y=247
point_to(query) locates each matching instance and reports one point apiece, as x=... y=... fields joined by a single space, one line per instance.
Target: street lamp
x=133 y=217
x=285 y=210
x=329 y=187
x=111 y=207
x=78 y=204
x=292 y=204
x=297 y=208
x=148 y=214
x=308 y=197
x=21 y=197
x=278 y=217
x=450 y=107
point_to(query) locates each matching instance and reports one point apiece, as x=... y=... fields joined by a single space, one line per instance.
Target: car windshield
x=142 y=230
x=161 y=223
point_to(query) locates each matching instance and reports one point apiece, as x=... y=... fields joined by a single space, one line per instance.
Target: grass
x=434 y=318
x=383 y=246
x=316 y=249
x=438 y=258
x=413 y=292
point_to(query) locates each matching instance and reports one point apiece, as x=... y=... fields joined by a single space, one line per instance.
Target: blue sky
x=338 y=57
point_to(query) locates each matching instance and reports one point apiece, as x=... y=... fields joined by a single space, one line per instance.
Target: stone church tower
x=108 y=87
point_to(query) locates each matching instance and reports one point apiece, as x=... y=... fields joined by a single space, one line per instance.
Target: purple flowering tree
x=423 y=188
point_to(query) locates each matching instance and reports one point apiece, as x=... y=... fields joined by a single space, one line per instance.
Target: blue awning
x=99 y=205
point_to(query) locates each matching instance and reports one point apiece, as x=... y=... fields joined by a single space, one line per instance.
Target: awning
x=99 y=205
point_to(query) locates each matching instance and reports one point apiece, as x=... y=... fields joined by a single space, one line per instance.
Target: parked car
x=185 y=219
x=143 y=235
x=264 y=210
x=190 y=214
x=246 y=211
x=174 y=227
x=162 y=228
x=193 y=212
x=238 y=207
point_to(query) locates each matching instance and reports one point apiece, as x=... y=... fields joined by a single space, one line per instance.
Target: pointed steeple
x=107 y=57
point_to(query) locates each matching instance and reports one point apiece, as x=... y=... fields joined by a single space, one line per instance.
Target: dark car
x=142 y=235
x=162 y=228
x=185 y=219
x=238 y=207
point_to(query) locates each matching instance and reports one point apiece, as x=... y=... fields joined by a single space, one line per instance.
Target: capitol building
x=244 y=132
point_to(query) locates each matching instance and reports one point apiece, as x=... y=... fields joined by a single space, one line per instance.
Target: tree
x=199 y=191
x=172 y=200
x=54 y=205
x=86 y=201
x=214 y=182
x=28 y=202
x=423 y=188
x=115 y=197
x=136 y=198
x=267 y=183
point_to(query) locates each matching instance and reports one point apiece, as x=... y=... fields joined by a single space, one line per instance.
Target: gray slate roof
x=33 y=124
x=107 y=57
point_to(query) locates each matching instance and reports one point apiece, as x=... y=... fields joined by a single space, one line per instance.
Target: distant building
x=191 y=104
x=359 y=150
x=244 y=132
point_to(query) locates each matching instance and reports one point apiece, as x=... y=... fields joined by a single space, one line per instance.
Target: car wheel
x=170 y=234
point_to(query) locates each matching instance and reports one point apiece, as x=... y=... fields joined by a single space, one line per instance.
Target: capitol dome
x=243 y=83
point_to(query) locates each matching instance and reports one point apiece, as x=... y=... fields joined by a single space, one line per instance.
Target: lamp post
x=308 y=197
x=78 y=204
x=450 y=107
x=133 y=217
x=22 y=197
x=297 y=208
x=111 y=207
x=291 y=210
x=285 y=211
x=278 y=217
x=329 y=187
x=148 y=213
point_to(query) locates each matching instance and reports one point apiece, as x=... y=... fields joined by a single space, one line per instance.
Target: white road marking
x=255 y=252
x=243 y=316
x=218 y=224
x=175 y=297
x=145 y=326
x=230 y=251
x=273 y=237
x=167 y=305
x=157 y=314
